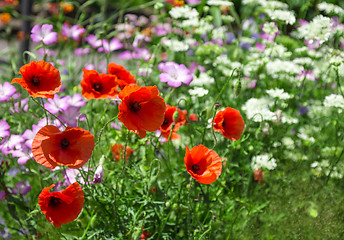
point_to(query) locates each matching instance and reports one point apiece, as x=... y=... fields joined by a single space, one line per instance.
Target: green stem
x=216 y=99
x=37 y=102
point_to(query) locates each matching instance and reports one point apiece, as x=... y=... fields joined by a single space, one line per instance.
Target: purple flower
x=13 y=143
x=44 y=34
x=23 y=187
x=82 y=51
x=24 y=106
x=47 y=52
x=70 y=116
x=111 y=46
x=6 y=91
x=162 y=29
x=303 y=110
x=23 y=155
x=140 y=39
x=58 y=104
x=98 y=175
x=175 y=74
x=139 y=53
x=260 y=46
x=77 y=100
x=193 y=1
x=266 y=36
x=4 y=129
x=93 y=41
x=74 y=31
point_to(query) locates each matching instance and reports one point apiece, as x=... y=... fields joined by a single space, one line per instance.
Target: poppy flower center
x=98 y=87
x=64 y=143
x=54 y=202
x=135 y=106
x=35 y=81
x=166 y=122
x=195 y=168
x=223 y=123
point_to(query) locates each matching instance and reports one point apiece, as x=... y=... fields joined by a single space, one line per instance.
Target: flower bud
x=98 y=175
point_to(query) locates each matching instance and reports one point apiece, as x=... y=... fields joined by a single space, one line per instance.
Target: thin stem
x=216 y=99
x=48 y=111
x=103 y=128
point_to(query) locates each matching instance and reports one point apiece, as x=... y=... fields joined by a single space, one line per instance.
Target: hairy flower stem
x=45 y=111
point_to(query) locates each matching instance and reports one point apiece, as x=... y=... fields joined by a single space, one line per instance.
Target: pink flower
x=44 y=34
x=74 y=31
x=93 y=41
x=174 y=74
x=7 y=90
x=111 y=46
x=4 y=129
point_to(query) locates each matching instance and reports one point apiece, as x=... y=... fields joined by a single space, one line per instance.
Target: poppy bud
x=175 y=116
x=237 y=87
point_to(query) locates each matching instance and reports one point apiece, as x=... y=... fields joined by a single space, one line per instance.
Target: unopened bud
x=175 y=116
x=98 y=175
x=237 y=87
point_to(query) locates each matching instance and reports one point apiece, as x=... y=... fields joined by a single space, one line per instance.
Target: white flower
x=278 y=66
x=175 y=45
x=330 y=8
x=334 y=100
x=198 y=92
x=203 y=79
x=288 y=142
x=319 y=29
x=282 y=15
x=278 y=93
x=258 y=109
x=192 y=22
x=220 y=3
x=204 y=27
x=219 y=33
x=183 y=12
x=270 y=28
x=263 y=161
x=274 y=5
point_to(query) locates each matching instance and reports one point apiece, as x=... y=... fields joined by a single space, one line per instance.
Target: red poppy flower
x=230 y=123
x=72 y=147
x=40 y=79
x=62 y=207
x=141 y=109
x=203 y=164
x=95 y=85
x=172 y=115
x=118 y=152
x=124 y=77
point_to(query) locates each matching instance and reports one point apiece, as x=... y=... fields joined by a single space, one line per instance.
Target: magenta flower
x=82 y=51
x=111 y=46
x=93 y=41
x=174 y=74
x=7 y=90
x=58 y=104
x=43 y=34
x=4 y=129
x=71 y=115
x=74 y=31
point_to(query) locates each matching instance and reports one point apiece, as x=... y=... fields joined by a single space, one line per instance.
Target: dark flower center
x=54 y=202
x=64 y=143
x=35 y=81
x=195 y=168
x=135 y=106
x=166 y=122
x=223 y=123
x=98 y=87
